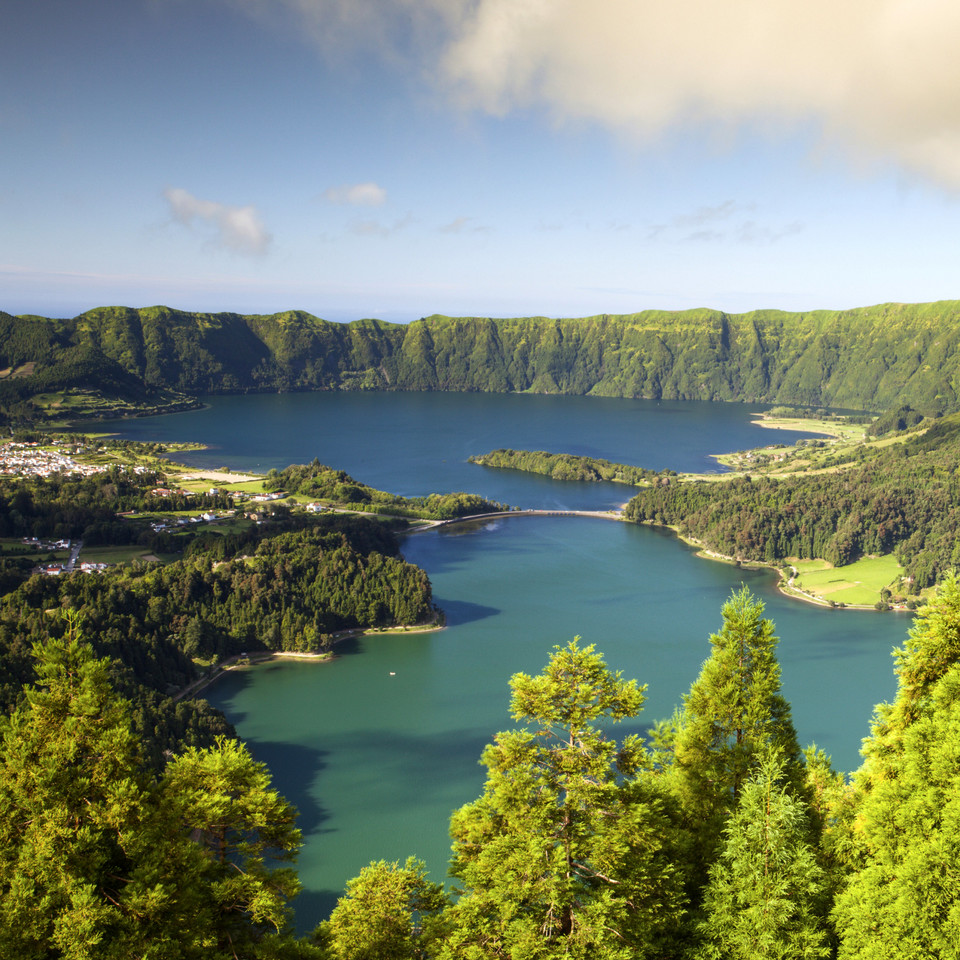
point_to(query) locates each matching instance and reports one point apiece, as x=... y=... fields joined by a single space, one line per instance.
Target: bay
x=377 y=748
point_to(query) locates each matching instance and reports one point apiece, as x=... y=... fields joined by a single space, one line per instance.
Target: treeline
x=568 y=466
x=712 y=835
x=318 y=481
x=871 y=358
x=904 y=500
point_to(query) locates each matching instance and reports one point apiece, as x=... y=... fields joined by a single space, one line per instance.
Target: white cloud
x=881 y=76
x=357 y=194
x=237 y=228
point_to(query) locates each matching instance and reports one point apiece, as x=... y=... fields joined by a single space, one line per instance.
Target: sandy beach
x=220 y=476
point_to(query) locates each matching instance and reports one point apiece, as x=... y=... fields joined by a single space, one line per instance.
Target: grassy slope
x=857 y=583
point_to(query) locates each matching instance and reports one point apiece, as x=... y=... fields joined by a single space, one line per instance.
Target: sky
x=399 y=158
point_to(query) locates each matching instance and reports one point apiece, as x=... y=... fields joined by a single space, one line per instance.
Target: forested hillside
x=904 y=500
x=870 y=358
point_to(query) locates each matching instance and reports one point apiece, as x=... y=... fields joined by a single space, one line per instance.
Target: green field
x=14 y=547
x=113 y=554
x=857 y=583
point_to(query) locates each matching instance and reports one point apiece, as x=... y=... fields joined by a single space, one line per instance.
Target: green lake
x=379 y=746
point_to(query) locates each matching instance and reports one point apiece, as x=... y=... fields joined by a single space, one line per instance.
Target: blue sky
x=397 y=158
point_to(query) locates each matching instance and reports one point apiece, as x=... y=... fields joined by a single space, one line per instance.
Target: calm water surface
x=418 y=443
x=378 y=747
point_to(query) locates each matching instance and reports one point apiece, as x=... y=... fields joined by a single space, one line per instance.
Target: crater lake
x=379 y=746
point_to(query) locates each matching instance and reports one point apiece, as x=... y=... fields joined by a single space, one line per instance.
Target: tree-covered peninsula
x=568 y=466
x=203 y=577
x=871 y=358
x=316 y=480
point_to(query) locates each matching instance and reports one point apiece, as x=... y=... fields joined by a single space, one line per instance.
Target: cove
x=377 y=748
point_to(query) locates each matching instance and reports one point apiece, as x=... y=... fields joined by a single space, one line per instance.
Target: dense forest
x=568 y=466
x=708 y=835
x=871 y=358
x=905 y=499
x=288 y=582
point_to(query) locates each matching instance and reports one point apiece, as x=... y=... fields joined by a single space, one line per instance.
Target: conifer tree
x=765 y=898
x=733 y=714
x=100 y=861
x=567 y=852
x=388 y=912
x=904 y=899
x=223 y=798
x=88 y=867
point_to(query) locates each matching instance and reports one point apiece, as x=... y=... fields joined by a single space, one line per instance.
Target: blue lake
x=378 y=747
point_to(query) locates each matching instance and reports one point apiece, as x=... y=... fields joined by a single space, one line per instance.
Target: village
x=32 y=459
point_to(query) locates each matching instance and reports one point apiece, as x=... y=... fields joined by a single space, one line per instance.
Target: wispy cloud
x=235 y=228
x=463 y=225
x=750 y=232
x=729 y=221
x=710 y=214
x=357 y=194
x=375 y=228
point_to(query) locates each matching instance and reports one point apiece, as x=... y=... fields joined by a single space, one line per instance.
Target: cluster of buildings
x=55 y=569
x=32 y=459
x=18 y=459
x=159 y=526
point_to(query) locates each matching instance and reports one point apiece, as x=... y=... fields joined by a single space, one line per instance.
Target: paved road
x=74 y=556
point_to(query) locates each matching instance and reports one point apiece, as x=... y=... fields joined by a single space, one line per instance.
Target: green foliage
x=733 y=715
x=897 y=418
x=388 y=912
x=567 y=853
x=224 y=799
x=766 y=892
x=903 y=899
x=566 y=466
x=97 y=857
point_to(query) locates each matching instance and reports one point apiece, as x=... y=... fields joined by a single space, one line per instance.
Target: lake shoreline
x=246 y=661
x=783 y=583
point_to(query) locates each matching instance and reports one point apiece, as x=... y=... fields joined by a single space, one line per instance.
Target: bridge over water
x=602 y=514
